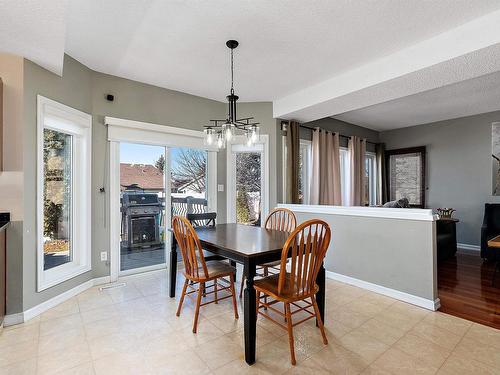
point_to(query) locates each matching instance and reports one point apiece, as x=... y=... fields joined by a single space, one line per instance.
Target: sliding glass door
x=142 y=207
x=151 y=184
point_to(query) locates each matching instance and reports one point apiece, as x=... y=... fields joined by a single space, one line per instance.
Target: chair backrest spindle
x=192 y=252
x=281 y=219
x=305 y=248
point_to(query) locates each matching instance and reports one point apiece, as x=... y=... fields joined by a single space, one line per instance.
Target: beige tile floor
x=133 y=330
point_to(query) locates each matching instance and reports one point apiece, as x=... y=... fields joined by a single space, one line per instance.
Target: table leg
x=173 y=267
x=320 y=296
x=250 y=316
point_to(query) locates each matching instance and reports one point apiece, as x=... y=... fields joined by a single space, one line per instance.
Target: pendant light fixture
x=221 y=131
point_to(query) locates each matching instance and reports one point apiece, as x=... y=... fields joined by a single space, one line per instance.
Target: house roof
x=142 y=176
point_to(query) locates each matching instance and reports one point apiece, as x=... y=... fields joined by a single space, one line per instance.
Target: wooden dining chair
x=305 y=249
x=199 y=272
x=278 y=219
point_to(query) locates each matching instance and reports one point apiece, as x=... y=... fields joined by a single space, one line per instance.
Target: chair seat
x=269 y=286
x=218 y=269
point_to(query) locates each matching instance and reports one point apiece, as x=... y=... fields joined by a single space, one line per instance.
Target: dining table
x=250 y=246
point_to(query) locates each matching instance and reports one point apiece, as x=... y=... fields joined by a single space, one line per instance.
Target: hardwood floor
x=465 y=290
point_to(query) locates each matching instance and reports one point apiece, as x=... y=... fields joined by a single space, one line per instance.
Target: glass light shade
x=221 y=141
x=249 y=138
x=209 y=136
x=228 y=130
x=255 y=133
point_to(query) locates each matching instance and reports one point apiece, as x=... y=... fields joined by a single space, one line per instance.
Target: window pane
x=142 y=193
x=188 y=180
x=57 y=198
x=248 y=183
x=405 y=177
x=367 y=180
x=301 y=174
x=189 y=172
x=344 y=176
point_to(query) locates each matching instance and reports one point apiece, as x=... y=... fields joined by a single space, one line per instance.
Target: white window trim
x=240 y=142
x=57 y=116
x=129 y=131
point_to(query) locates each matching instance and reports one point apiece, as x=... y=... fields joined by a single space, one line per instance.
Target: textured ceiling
x=313 y=58
x=286 y=45
x=34 y=29
x=466 y=98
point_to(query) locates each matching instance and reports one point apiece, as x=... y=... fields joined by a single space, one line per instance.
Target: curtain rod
x=314 y=129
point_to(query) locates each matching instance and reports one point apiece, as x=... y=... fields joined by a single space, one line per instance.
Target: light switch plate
x=104 y=256
x=220 y=187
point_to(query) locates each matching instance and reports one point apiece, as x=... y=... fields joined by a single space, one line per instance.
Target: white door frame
x=261 y=146
x=120 y=130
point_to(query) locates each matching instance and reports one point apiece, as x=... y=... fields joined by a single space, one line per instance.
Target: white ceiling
x=34 y=29
x=308 y=57
x=466 y=98
x=286 y=45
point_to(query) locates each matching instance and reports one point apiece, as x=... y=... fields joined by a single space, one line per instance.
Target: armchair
x=490 y=229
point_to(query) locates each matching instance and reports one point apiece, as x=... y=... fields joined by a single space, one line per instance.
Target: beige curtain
x=292 y=162
x=357 y=151
x=325 y=184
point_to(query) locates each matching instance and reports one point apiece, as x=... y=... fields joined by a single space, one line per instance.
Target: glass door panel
x=142 y=206
x=248 y=187
x=188 y=181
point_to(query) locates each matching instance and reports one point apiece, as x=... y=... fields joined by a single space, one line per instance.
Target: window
x=406 y=175
x=345 y=173
x=305 y=166
x=371 y=179
x=63 y=192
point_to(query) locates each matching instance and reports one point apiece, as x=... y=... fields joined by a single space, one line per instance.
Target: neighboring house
x=188 y=187
x=141 y=177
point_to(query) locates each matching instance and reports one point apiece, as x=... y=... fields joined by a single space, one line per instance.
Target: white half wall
x=388 y=251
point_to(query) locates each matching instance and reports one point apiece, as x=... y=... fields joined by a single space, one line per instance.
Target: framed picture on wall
x=406 y=175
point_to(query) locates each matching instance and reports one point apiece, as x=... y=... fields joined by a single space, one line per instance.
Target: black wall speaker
x=110 y=97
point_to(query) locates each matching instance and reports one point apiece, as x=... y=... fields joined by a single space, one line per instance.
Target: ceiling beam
x=468 y=51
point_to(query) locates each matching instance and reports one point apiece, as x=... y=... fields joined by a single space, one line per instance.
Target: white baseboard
x=50 y=303
x=101 y=280
x=393 y=293
x=465 y=246
x=33 y=312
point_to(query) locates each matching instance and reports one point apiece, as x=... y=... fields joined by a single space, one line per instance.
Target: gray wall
x=74 y=90
x=458 y=166
x=369 y=249
x=84 y=89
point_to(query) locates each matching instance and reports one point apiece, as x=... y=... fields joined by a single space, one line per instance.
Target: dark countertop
x=4 y=220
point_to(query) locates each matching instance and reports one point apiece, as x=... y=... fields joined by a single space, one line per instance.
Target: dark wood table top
x=244 y=240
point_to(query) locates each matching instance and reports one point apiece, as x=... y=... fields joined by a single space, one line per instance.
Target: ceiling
x=466 y=98
x=311 y=58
